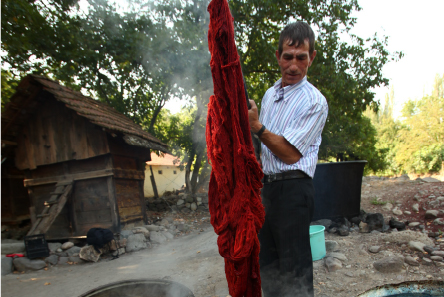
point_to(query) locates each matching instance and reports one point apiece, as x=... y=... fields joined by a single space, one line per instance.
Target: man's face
x=294 y=62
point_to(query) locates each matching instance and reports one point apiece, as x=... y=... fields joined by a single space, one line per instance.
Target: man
x=292 y=117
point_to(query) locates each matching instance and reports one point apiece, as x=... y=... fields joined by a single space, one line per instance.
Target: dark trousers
x=285 y=256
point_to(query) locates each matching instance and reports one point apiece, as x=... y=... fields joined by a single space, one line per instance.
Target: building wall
x=171 y=178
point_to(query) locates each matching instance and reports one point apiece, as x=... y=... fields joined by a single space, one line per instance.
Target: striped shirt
x=298 y=113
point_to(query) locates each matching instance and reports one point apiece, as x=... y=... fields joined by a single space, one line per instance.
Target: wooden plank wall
x=14 y=196
x=130 y=200
x=57 y=134
x=91 y=202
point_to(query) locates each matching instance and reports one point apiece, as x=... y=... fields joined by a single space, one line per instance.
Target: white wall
x=167 y=181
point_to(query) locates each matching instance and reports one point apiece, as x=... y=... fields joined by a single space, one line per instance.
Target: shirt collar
x=282 y=90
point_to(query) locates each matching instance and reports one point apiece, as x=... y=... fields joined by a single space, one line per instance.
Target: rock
x=396 y=224
x=387 y=206
x=137 y=242
x=67 y=245
x=54 y=246
x=72 y=251
x=437 y=253
x=436 y=258
x=344 y=231
x=375 y=221
x=126 y=233
x=411 y=261
x=406 y=212
x=331 y=246
x=431 y=214
x=61 y=254
x=185 y=210
x=190 y=199
x=406 y=236
x=180 y=202
x=183 y=227
x=363 y=227
x=157 y=237
x=417 y=246
x=338 y=256
x=356 y=221
x=13 y=248
x=427 y=262
x=429 y=249
x=397 y=212
x=152 y=227
x=142 y=230
x=89 y=253
x=332 y=264
x=438 y=221
x=75 y=260
x=374 y=249
x=168 y=235
x=6 y=265
x=389 y=264
x=193 y=206
x=24 y=264
x=415 y=207
x=63 y=261
x=53 y=260
x=349 y=274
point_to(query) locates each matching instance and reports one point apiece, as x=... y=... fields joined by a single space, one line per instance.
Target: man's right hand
x=253 y=117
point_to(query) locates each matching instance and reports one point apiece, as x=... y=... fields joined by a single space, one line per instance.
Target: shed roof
x=98 y=113
x=165 y=160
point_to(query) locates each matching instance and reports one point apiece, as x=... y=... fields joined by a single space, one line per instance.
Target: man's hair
x=296 y=33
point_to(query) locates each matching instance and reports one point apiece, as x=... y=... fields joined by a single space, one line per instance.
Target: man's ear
x=313 y=55
x=278 y=57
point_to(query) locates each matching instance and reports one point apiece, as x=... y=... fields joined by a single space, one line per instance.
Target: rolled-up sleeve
x=306 y=127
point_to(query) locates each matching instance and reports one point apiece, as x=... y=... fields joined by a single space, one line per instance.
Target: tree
x=421 y=139
x=344 y=73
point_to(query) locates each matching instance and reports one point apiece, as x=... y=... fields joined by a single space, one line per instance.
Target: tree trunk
x=153 y=183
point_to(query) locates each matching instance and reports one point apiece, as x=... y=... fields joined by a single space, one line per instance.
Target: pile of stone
x=131 y=238
x=417 y=250
x=184 y=203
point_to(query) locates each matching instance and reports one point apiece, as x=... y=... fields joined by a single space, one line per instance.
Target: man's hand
x=253 y=117
x=276 y=143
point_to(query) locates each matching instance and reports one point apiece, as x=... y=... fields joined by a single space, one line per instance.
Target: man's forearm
x=279 y=146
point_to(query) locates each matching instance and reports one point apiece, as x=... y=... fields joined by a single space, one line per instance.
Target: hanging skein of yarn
x=237 y=213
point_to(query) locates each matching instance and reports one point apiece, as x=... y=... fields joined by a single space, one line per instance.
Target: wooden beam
x=68 y=178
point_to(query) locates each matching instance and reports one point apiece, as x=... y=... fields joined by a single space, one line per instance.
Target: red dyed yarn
x=237 y=213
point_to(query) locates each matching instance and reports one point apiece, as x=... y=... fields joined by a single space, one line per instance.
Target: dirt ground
x=193 y=259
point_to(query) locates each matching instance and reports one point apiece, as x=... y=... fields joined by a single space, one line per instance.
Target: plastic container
x=317 y=242
x=36 y=246
x=338 y=189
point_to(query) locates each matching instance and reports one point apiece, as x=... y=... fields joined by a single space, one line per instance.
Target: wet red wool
x=237 y=213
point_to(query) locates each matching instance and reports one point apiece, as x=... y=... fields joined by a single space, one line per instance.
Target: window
x=160 y=171
x=174 y=172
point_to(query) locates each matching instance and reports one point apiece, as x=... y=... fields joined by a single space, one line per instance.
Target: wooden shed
x=83 y=162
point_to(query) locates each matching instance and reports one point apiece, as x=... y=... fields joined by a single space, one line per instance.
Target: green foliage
x=8 y=86
x=343 y=72
x=415 y=143
x=375 y=201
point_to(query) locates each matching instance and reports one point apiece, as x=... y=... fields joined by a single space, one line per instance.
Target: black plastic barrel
x=338 y=189
x=141 y=288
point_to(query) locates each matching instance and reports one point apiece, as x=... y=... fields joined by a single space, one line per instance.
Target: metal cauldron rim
x=434 y=287
x=133 y=281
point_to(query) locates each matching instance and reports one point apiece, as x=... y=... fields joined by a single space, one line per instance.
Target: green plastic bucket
x=317 y=242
